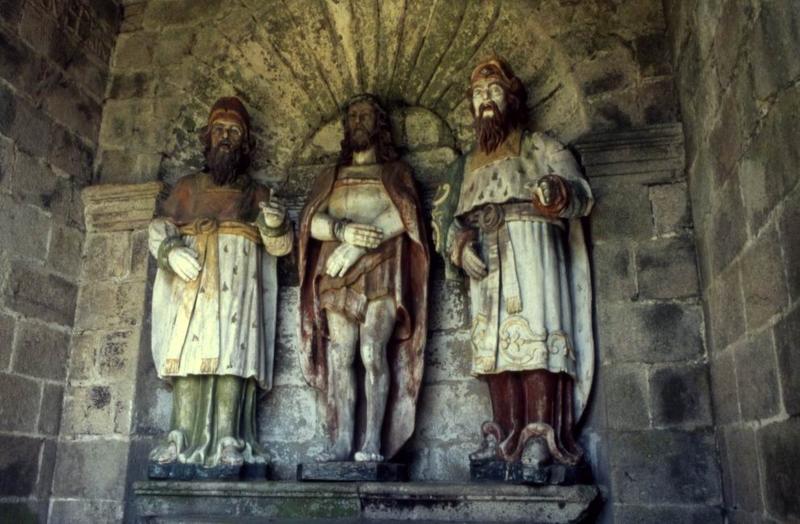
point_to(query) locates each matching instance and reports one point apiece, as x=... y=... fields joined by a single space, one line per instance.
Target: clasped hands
x=355 y=239
x=183 y=260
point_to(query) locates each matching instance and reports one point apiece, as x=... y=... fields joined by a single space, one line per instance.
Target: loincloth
x=371 y=278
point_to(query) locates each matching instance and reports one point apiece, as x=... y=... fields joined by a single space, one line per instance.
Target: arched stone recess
x=297 y=63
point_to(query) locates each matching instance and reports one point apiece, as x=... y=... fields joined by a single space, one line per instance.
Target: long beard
x=361 y=140
x=224 y=164
x=491 y=131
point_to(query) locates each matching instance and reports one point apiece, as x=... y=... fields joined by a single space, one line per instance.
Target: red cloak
x=405 y=349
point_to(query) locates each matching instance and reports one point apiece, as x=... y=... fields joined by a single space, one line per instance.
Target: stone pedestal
x=287 y=502
x=520 y=473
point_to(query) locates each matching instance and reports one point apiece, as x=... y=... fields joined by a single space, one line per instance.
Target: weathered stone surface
x=661 y=332
x=41 y=351
x=670 y=208
x=295 y=408
x=19 y=464
x=652 y=149
x=32 y=180
x=627 y=385
x=64 y=253
x=21 y=397
x=366 y=501
x=109 y=305
x=681 y=396
x=667 y=269
x=25 y=227
x=100 y=464
x=452 y=410
x=726 y=231
x=781 y=468
x=757 y=378
x=613 y=274
x=50 y=414
x=649 y=467
x=87 y=510
x=685 y=514
x=448 y=304
x=622 y=211
x=116 y=207
x=742 y=467
x=448 y=356
x=107 y=255
x=70 y=154
x=92 y=410
x=773 y=64
x=134 y=51
x=442 y=462
x=7 y=326
x=725 y=309
x=724 y=389
x=787 y=333
x=33 y=292
x=763 y=279
x=351 y=472
x=789 y=228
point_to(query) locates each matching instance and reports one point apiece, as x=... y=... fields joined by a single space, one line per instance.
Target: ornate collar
x=508 y=148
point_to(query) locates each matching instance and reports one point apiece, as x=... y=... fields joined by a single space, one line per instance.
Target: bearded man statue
x=214 y=303
x=508 y=216
x=363 y=263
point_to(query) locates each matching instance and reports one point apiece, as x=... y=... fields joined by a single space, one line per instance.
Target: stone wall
x=53 y=70
x=737 y=75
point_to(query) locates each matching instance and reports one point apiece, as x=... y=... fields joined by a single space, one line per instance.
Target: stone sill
x=174 y=502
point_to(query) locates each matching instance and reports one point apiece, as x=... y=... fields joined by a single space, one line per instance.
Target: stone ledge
x=120 y=207
x=359 y=502
x=652 y=149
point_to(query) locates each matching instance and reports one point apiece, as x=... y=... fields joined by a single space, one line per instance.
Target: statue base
x=519 y=473
x=181 y=471
x=352 y=472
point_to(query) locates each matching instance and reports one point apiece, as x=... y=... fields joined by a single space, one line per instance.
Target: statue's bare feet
x=230 y=456
x=366 y=456
x=333 y=454
x=165 y=454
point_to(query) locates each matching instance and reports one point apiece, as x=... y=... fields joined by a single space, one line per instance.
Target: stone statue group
x=507 y=216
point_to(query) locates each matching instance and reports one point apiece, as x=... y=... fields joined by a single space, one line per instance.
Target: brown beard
x=491 y=131
x=224 y=165
x=360 y=139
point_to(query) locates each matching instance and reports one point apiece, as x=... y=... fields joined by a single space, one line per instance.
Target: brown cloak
x=405 y=349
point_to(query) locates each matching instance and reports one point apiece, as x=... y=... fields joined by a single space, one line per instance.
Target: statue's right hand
x=362 y=235
x=472 y=264
x=183 y=262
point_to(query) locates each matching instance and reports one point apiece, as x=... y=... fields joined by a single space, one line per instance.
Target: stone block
x=660 y=332
x=130 y=124
x=430 y=166
x=19 y=464
x=685 y=514
x=652 y=55
x=64 y=253
x=780 y=457
x=107 y=255
x=763 y=279
x=99 y=464
x=87 y=510
x=25 y=227
x=153 y=405
x=7 y=153
x=31 y=128
x=724 y=392
x=441 y=462
x=449 y=304
x=789 y=229
x=111 y=305
x=41 y=351
x=453 y=412
x=19 y=64
x=288 y=407
x=32 y=180
x=787 y=334
x=762 y=189
x=726 y=230
x=773 y=63
x=131 y=85
x=23 y=512
x=107 y=354
x=622 y=211
x=134 y=50
x=173 y=46
x=681 y=396
x=75 y=110
x=659 y=102
x=757 y=377
x=741 y=460
x=613 y=275
x=7 y=326
x=287 y=364
x=140 y=254
x=35 y=293
x=70 y=154
x=667 y=269
x=21 y=398
x=627 y=396
x=425 y=129
x=89 y=410
x=47 y=466
x=663 y=466
x=118 y=207
x=163 y=13
x=725 y=309
x=50 y=414
x=448 y=356
x=670 y=208
x=12 y=11
x=725 y=139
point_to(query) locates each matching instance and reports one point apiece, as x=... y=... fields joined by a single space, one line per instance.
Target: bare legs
x=345 y=337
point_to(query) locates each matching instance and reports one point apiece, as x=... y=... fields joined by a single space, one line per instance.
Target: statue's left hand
x=550 y=195
x=274 y=211
x=342 y=259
